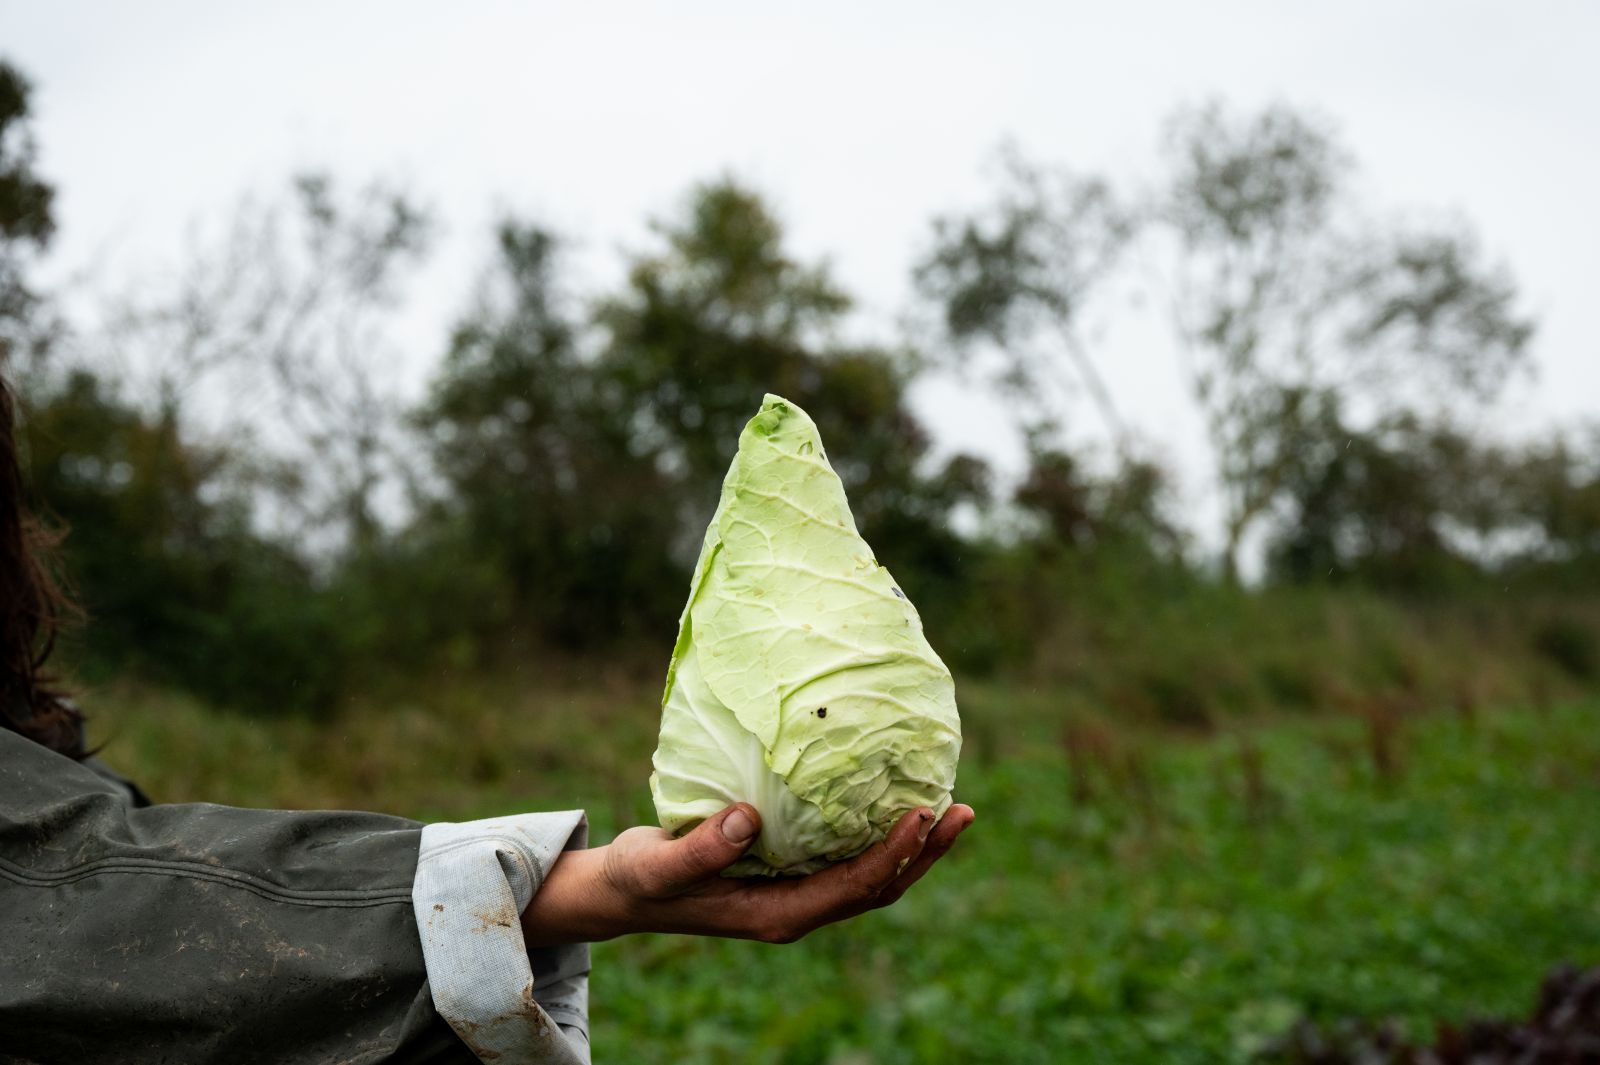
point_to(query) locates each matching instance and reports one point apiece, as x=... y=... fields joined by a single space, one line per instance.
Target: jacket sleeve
x=195 y=933
x=473 y=882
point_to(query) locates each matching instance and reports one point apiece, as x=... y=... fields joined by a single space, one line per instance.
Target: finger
x=855 y=886
x=940 y=840
x=716 y=843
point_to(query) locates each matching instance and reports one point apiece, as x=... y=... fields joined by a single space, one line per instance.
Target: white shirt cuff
x=473 y=881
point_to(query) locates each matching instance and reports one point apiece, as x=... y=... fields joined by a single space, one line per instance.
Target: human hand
x=646 y=880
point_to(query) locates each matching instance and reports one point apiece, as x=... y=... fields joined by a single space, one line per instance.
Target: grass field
x=1125 y=896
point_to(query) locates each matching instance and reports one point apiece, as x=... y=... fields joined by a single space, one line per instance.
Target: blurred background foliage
x=259 y=518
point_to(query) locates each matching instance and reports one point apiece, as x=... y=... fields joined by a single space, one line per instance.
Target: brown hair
x=33 y=607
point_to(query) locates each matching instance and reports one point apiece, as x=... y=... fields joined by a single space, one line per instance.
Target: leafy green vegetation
x=1129 y=893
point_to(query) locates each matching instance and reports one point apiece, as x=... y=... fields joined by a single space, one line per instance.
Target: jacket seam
x=185 y=871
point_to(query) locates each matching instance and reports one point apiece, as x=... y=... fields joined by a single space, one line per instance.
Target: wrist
x=576 y=903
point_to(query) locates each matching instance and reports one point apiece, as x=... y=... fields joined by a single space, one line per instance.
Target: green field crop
x=1125 y=896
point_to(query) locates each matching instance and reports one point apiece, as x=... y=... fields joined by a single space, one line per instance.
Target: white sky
x=861 y=121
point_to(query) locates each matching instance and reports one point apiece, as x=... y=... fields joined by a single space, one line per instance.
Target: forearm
x=576 y=905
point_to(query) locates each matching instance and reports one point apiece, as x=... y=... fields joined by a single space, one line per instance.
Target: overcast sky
x=861 y=121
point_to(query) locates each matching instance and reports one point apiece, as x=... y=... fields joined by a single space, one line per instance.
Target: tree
x=274 y=333
x=538 y=463
x=161 y=549
x=1283 y=300
x=1555 y=488
x=1015 y=283
x=1394 y=504
x=178 y=586
x=721 y=315
x=579 y=472
x=1083 y=512
x=27 y=220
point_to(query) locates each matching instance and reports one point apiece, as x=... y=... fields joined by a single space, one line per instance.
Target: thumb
x=713 y=845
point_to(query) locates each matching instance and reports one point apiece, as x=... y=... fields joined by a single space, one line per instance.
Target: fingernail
x=927 y=824
x=737 y=827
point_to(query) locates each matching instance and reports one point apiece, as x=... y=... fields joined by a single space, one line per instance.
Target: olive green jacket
x=194 y=933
